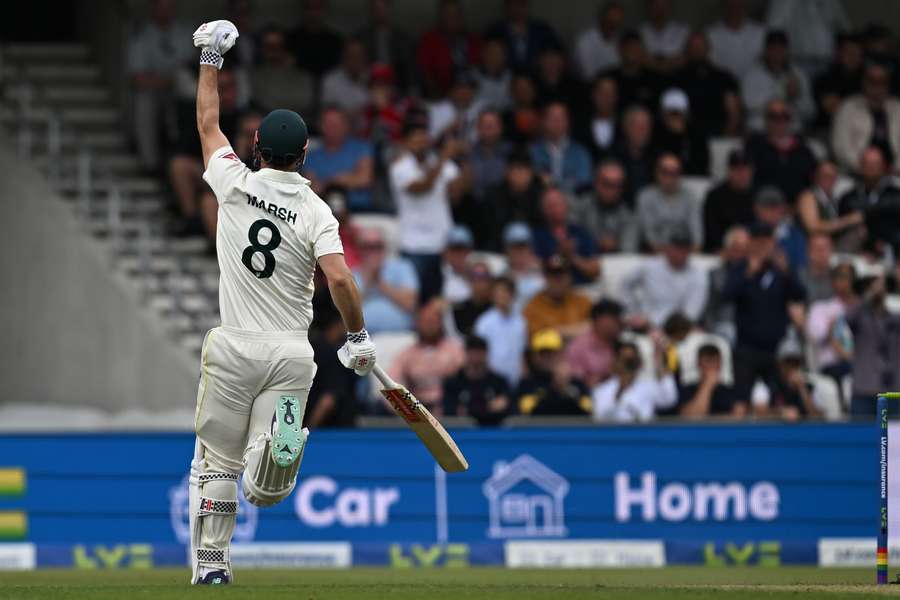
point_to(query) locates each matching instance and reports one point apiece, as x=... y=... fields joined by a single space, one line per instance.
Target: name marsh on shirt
x=288 y=216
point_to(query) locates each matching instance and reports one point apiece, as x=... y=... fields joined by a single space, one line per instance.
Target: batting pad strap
x=205 y=477
x=213 y=555
x=212 y=58
x=211 y=506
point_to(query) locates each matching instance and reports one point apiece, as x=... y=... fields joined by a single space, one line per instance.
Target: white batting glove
x=215 y=39
x=358 y=353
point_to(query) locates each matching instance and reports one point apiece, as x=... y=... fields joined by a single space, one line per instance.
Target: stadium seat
x=646 y=347
x=389 y=345
x=615 y=268
x=496 y=263
x=698 y=186
x=687 y=357
x=818 y=148
x=826 y=395
x=719 y=149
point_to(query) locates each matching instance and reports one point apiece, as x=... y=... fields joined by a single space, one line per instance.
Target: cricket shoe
x=216 y=577
x=288 y=434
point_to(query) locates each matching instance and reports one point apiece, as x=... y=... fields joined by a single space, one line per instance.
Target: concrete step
x=148 y=186
x=59 y=72
x=59 y=93
x=104 y=163
x=51 y=51
x=82 y=118
x=99 y=142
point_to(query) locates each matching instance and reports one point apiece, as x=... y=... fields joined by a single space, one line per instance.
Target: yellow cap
x=546 y=339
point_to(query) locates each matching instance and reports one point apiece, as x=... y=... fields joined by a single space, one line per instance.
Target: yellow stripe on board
x=13 y=524
x=12 y=481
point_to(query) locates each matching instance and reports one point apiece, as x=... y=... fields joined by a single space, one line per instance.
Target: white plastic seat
x=687 y=357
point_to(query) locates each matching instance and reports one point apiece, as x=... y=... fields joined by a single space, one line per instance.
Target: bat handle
x=386 y=381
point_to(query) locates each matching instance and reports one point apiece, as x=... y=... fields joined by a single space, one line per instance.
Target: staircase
x=56 y=106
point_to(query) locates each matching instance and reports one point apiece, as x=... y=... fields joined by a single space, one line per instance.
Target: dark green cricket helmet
x=282 y=138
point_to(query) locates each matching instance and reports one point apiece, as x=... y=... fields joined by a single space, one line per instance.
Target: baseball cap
x=546 y=339
x=769 y=196
x=517 y=232
x=777 y=36
x=675 y=100
x=282 y=137
x=738 y=157
x=460 y=237
x=606 y=307
x=680 y=237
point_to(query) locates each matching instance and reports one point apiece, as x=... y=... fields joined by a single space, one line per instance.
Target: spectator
x=771 y=209
x=494 y=78
x=827 y=329
x=666 y=206
x=786 y=394
x=782 y=159
x=767 y=298
x=597 y=48
x=155 y=53
x=663 y=37
x=876 y=340
x=569 y=240
x=488 y=154
x=637 y=84
x=811 y=25
x=816 y=275
x=664 y=285
x=719 y=317
x=710 y=396
x=446 y=49
x=555 y=84
x=197 y=204
x=423 y=367
x=736 y=41
x=558 y=158
x=775 y=78
x=550 y=388
x=676 y=134
x=347 y=85
x=714 y=94
x=276 y=81
x=604 y=213
x=315 y=45
x=525 y=36
x=505 y=330
x=524 y=265
x=868 y=119
x=475 y=390
x=424 y=185
x=875 y=188
x=557 y=306
x=590 y=355
x=522 y=121
x=455 y=266
x=818 y=208
x=384 y=115
x=341 y=160
x=878 y=46
x=457 y=115
x=635 y=152
x=336 y=199
x=388 y=285
x=332 y=398
x=241 y=13
x=842 y=79
x=600 y=133
x=729 y=203
x=626 y=396
x=466 y=313
x=386 y=44
x=517 y=197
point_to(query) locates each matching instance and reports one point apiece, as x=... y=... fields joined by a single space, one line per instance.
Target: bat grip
x=386 y=381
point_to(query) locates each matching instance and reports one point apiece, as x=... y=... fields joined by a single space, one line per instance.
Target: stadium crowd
x=514 y=169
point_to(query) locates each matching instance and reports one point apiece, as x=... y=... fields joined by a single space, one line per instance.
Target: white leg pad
x=213 y=514
x=264 y=482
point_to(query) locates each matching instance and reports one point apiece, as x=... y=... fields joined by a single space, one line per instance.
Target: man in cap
x=550 y=389
x=770 y=208
x=558 y=306
x=257 y=368
x=730 y=203
x=677 y=134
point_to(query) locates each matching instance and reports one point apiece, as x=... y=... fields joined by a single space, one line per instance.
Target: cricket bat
x=429 y=429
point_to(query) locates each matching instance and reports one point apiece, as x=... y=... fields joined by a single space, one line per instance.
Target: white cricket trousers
x=242 y=376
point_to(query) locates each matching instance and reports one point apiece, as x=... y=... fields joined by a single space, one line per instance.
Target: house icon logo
x=526 y=500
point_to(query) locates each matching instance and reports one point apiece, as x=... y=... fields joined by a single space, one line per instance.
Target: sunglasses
x=669 y=172
x=778 y=116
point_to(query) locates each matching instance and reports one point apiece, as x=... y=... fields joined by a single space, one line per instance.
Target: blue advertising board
x=707 y=491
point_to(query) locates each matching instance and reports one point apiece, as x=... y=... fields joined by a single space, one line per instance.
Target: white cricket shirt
x=424 y=219
x=272 y=229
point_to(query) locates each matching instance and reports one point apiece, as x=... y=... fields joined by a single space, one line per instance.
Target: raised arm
x=211 y=136
x=214 y=39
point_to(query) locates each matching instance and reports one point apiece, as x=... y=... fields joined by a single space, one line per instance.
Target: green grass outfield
x=694 y=583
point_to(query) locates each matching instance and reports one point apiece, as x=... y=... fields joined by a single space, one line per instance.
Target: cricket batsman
x=257 y=367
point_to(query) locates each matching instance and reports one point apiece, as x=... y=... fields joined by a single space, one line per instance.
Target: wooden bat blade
x=430 y=431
